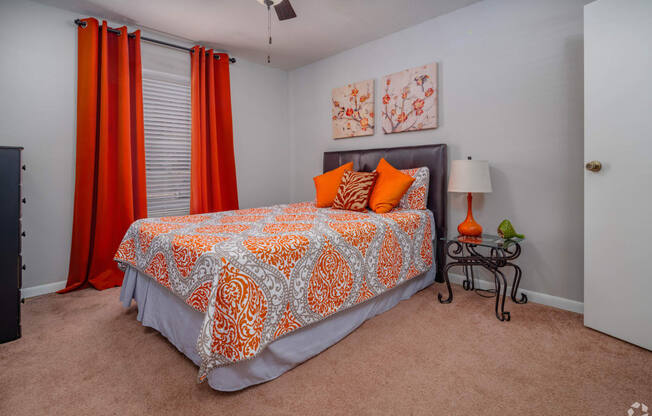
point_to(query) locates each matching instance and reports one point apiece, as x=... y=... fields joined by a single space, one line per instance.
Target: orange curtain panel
x=213 y=185
x=110 y=188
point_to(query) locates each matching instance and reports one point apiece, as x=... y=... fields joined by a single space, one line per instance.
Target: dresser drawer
x=11 y=275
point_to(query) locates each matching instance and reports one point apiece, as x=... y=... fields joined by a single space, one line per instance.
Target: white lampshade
x=469 y=176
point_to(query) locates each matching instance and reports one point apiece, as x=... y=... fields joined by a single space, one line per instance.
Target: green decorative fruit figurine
x=506 y=230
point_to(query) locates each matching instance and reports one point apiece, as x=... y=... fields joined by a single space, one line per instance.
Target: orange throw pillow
x=390 y=187
x=326 y=184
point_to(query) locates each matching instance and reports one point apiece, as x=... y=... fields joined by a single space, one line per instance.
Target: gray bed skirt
x=158 y=308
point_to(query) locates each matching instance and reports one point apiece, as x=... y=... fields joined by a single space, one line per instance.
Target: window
x=166 y=113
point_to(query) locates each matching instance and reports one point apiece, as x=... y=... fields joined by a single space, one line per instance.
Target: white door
x=618 y=198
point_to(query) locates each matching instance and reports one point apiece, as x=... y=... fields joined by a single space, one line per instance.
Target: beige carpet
x=82 y=353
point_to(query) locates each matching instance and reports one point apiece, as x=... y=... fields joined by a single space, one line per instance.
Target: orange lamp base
x=469 y=227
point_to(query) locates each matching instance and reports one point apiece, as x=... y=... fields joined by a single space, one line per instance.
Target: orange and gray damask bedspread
x=258 y=274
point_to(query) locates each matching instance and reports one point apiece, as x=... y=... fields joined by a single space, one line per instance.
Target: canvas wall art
x=353 y=110
x=410 y=99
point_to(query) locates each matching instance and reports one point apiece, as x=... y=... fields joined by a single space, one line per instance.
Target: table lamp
x=469 y=176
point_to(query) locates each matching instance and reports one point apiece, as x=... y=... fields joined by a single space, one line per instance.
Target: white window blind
x=166 y=113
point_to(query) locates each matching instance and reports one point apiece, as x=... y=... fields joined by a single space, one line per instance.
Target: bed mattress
x=259 y=274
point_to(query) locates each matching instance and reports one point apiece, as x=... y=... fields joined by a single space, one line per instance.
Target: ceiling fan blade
x=284 y=10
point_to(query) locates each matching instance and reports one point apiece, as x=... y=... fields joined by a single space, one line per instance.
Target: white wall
x=38 y=64
x=510 y=92
x=261 y=132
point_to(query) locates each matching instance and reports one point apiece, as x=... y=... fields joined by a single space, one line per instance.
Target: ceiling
x=322 y=27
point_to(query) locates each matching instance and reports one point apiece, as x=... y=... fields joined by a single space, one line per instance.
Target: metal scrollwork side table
x=464 y=251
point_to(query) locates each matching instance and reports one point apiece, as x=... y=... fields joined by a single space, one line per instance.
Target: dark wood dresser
x=11 y=263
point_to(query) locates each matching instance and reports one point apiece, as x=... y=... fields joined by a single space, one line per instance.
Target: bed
x=249 y=294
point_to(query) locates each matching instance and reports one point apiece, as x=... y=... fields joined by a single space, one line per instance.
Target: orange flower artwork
x=352 y=108
x=418 y=106
x=410 y=100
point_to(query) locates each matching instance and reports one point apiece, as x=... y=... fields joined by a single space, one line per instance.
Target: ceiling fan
x=284 y=11
x=283 y=8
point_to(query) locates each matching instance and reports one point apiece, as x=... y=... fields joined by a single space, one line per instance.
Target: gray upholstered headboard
x=433 y=156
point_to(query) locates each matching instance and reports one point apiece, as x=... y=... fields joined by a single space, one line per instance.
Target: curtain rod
x=81 y=23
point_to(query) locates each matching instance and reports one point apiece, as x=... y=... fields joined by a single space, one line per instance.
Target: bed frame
x=433 y=156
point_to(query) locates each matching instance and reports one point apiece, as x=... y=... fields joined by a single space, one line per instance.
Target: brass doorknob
x=594 y=166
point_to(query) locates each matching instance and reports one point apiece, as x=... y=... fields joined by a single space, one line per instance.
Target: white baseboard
x=536 y=297
x=30 y=292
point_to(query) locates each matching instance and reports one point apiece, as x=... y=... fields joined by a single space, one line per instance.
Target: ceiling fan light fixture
x=274 y=2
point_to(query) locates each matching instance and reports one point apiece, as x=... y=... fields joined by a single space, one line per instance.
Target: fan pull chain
x=269 y=31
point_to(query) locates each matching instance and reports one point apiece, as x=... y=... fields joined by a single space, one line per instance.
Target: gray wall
x=510 y=81
x=38 y=50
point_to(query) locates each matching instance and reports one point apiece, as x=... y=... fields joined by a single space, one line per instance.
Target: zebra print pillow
x=355 y=190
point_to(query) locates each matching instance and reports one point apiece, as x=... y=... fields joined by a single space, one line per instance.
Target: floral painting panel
x=409 y=100
x=352 y=108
